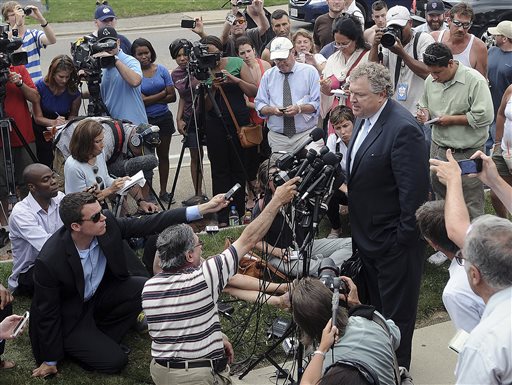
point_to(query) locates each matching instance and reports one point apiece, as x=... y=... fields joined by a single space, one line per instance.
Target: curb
x=145 y=28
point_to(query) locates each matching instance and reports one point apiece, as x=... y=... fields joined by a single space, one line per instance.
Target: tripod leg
x=177 y=174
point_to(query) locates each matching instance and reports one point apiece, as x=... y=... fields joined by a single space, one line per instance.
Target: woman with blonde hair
x=305 y=50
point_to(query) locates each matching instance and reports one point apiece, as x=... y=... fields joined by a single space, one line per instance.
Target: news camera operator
x=339 y=349
x=33 y=39
x=19 y=88
x=121 y=80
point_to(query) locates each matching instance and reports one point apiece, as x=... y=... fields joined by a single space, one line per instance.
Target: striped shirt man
x=181 y=309
x=32 y=46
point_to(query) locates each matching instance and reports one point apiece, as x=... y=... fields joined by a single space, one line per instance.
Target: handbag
x=250 y=135
x=354 y=269
x=252 y=265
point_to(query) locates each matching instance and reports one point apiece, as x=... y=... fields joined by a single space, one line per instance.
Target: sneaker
x=334 y=234
x=195 y=200
x=166 y=197
x=437 y=258
x=142 y=323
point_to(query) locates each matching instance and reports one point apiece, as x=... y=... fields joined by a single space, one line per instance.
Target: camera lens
x=27 y=10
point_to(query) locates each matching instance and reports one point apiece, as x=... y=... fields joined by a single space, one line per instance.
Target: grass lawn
x=83 y=10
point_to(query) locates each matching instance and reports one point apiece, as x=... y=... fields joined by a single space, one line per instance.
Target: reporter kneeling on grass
x=180 y=302
x=357 y=350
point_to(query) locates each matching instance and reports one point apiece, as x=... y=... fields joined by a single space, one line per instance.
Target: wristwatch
x=20 y=83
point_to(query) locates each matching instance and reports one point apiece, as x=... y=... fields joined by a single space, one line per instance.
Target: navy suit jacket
x=388 y=182
x=58 y=302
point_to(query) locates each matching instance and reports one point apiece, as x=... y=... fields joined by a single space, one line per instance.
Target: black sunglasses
x=95 y=218
x=432 y=58
x=95 y=170
x=459 y=258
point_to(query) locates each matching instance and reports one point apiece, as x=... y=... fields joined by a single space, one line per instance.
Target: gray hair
x=378 y=76
x=173 y=244
x=488 y=246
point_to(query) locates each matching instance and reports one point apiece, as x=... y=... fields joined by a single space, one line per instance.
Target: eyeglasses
x=199 y=244
x=94 y=218
x=432 y=58
x=459 y=24
x=95 y=170
x=459 y=258
x=239 y=21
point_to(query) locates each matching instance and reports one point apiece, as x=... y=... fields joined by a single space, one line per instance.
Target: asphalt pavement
x=432 y=361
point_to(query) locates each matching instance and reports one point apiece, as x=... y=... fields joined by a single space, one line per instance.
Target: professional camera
x=7 y=47
x=27 y=10
x=83 y=50
x=244 y=2
x=391 y=34
x=328 y=274
x=201 y=61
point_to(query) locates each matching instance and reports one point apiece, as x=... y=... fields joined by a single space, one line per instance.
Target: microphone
x=286 y=161
x=331 y=159
x=325 y=175
x=314 y=168
x=310 y=157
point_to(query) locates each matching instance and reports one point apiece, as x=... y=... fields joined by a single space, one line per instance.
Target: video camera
x=83 y=50
x=7 y=47
x=391 y=35
x=200 y=60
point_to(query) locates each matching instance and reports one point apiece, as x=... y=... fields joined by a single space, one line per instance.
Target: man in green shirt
x=458 y=102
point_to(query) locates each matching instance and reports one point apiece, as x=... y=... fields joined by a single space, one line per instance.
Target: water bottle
x=247 y=217
x=233 y=217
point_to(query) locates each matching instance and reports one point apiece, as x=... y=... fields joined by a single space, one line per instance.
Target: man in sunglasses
x=466 y=47
x=458 y=103
x=85 y=300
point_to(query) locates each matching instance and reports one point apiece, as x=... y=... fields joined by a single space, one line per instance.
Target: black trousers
x=227 y=169
x=393 y=280
x=333 y=208
x=25 y=283
x=107 y=317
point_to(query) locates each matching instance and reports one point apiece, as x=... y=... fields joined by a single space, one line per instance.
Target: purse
x=250 y=135
x=252 y=265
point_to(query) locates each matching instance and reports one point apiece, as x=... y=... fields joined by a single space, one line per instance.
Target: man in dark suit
x=388 y=170
x=85 y=300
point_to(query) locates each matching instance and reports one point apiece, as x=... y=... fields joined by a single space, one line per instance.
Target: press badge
x=401 y=92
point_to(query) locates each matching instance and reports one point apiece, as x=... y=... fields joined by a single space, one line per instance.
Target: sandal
x=7 y=364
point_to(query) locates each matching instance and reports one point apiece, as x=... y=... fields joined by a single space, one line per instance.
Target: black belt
x=184 y=364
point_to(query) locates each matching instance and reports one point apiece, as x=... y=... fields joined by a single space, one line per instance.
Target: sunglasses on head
x=432 y=58
x=95 y=218
x=459 y=24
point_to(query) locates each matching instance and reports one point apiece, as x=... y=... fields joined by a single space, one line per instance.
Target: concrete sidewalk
x=432 y=362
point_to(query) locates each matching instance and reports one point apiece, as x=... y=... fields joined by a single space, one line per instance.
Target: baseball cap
x=280 y=48
x=397 y=15
x=435 y=7
x=104 y=12
x=504 y=28
x=107 y=33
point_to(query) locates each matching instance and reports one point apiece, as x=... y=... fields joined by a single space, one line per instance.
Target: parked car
x=309 y=10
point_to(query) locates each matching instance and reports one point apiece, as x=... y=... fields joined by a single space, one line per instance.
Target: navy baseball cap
x=104 y=12
x=435 y=7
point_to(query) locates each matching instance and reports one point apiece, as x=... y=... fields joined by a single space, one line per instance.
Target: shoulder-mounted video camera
x=83 y=50
x=7 y=47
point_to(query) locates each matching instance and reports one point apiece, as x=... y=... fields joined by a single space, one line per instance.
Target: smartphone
x=188 y=23
x=20 y=325
x=283 y=109
x=212 y=229
x=232 y=191
x=470 y=166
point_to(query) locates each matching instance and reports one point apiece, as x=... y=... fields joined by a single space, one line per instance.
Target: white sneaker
x=334 y=234
x=437 y=258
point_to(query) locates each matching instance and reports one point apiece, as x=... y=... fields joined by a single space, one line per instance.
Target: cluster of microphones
x=319 y=171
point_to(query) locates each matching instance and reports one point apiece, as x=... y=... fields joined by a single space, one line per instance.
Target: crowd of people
x=399 y=114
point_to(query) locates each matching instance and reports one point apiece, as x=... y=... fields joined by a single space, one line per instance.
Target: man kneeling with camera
x=358 y=349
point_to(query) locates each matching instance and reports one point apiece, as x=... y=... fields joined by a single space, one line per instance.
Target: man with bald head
x=33 y=220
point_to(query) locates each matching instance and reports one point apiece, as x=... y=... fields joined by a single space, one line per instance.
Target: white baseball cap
x=280 y=48
x=504 y=28
x=397 y=15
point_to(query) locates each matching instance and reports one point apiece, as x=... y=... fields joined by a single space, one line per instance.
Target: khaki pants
x=196 y=376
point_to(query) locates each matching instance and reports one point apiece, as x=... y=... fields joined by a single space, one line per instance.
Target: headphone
x=137 y=139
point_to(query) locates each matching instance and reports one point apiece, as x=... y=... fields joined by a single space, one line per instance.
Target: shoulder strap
x=368 y=312
x=415 y=45
x=397 y=69
x=229 y=109
x=119 y=137
x=356 y=62
x=261 y=65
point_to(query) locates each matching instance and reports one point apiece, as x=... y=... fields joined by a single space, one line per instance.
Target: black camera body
x=83 y=50
x=7 y=47
x=391 y=35
x=27 y=10
x=328 y=274
x=200 y=60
